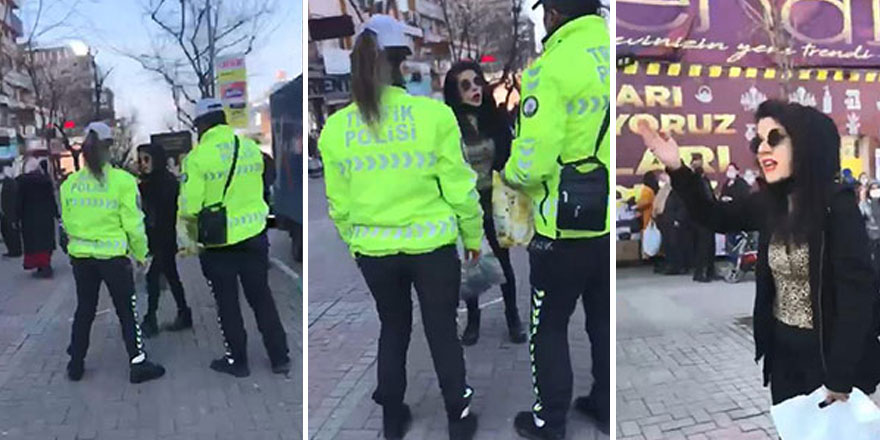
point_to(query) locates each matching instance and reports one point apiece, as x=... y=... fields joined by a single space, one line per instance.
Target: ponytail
x=95 y=154
x=367 y=62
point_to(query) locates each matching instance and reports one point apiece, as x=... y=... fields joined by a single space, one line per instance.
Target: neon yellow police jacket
x=205 y=170
x=565 y=100
x=404 y=186
x=103 y=218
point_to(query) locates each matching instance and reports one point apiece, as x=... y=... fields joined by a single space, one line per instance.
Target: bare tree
x=767 y=22
x=190 y=35
x=99 y=77
x=123 y=149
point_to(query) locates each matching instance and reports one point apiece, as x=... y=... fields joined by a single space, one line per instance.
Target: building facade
x=16 y=92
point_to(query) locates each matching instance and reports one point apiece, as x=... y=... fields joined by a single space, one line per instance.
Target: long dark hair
x=489 y=118
x=371 y=70
x=95 y=154
x=800 y=201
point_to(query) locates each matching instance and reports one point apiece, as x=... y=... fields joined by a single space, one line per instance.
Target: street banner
x=232 y=83
x=705 y=90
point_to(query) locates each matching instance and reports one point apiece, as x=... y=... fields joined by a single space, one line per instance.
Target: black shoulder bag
x=212 y=219
x=583 y=197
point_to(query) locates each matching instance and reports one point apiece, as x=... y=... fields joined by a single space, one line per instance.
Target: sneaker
x=149 y=327
x=525 y=426
x=225 y=365
x=396 y=421
x=464 y=428
x=183 y=321
x=75 y=370
x=588 y=408
x=281 y=367
x=145 y=371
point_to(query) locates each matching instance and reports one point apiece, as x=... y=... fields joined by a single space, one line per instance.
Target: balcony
x=430 y=9
x=14 y=23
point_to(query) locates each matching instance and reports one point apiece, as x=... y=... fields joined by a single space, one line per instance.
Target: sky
x=114 y=27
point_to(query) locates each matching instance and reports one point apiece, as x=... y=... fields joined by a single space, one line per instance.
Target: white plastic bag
x=512 y=214
x=651 y=240
x=800 y=418
x=479 y=276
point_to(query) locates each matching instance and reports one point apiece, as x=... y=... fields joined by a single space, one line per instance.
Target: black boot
x=224 y=365
x=587 y=407
x=75 y=370
x=43 y=273
x=145 y=371
x=472 y=331
x=396 y=420
x=149 y=326
x=524 y=424
x=464 y=428
x=281 y=367
x=183 y=320
x=514 y=326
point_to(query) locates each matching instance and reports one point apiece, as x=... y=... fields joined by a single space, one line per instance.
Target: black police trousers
x=247 y=262
x=164 y=263
x=561 y=272
x=116 y=273
x=437 y=279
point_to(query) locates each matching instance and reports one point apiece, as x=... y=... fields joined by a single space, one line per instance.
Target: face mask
x=731 y=174
x=864 y=180
x=875 y=193
x=749 y=178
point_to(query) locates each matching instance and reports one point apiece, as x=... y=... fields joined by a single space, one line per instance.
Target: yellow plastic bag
x=512 y=212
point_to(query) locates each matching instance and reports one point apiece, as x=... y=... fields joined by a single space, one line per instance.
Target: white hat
x=208 y=105
x=101 y=129
x=389 y=32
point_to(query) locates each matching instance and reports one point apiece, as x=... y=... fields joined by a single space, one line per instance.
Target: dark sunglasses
x=466 y=84
x=774 y=138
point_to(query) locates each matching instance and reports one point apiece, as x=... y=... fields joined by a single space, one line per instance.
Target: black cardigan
x=843 y=289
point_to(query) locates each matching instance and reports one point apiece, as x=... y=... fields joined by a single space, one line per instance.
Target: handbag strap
x=231 y=170
x=603 y=130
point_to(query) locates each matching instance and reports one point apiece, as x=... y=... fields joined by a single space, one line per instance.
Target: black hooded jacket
x=159 y=191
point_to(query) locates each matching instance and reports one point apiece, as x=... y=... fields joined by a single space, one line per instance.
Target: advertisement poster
x=703 y=84
x=232 y=83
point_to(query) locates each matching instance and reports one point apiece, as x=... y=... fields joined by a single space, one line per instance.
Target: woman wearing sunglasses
x=814 y=315
x=487 y=134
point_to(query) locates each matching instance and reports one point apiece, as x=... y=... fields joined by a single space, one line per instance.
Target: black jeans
x=437 y=278
x=247 y=262
x=508 y=289
x=11 y=236
x=164 y=263
x=704 y=252
x=116 y=273
x=561 y=272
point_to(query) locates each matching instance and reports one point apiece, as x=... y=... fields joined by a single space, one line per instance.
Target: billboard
x=232 y=84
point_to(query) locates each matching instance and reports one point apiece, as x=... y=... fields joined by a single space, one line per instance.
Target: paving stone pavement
x=190 y=402
x=343 y=333
x=685 y=366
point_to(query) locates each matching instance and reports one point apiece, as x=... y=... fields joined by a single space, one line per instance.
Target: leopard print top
x=790 y=265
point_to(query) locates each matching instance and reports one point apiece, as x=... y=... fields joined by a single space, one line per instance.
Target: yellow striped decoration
x=695 y=70
x=770 y=73
x=653 y=69
x=632 y=69
x=855 y=77
x=735 y=71
x=838 y=75
x=804 y=75
x=674 y=69
x=715 y=71
x=822 y=75
x=751 y=72
x=871 y=77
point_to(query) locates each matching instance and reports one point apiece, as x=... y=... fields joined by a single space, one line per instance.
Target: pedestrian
x=486 y=134
x=704 y=238
x=678 y=248
x=870 y=209
x=37 y=216
x=159 y=191
x=99 y=208
x=401 y=209
x=734 y=190
x=222 y=199
x=9 y=224
x=814 y=316
x=660 y=219
x=561 y=158
x=645 y=204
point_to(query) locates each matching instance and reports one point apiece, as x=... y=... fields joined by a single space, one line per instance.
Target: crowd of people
x=686 y=245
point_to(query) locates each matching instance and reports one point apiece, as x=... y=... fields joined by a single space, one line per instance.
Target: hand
x=471 y=255
x=664 y=147
x=834 y=397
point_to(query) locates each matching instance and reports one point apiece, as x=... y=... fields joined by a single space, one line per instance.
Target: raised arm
x=741 y=215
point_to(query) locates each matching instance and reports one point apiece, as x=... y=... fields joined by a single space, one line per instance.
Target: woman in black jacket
x=814 y=315
x=159 y=190
x=37 y=215
x=487 y=134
